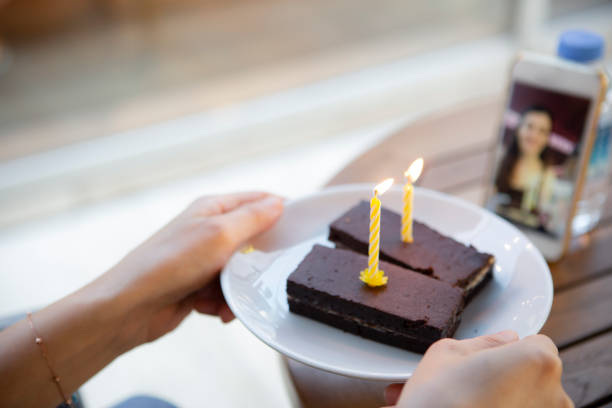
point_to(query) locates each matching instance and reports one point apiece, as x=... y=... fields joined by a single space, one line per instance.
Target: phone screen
x=537 y=158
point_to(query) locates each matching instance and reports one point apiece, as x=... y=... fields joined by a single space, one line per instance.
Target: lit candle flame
x=383 y=186
x=415 y=169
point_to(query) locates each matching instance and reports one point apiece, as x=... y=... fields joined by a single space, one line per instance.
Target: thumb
x=489 y=341
x=251 y=218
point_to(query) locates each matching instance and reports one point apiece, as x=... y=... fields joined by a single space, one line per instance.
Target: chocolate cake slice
x=431 y=253
x=412 y=311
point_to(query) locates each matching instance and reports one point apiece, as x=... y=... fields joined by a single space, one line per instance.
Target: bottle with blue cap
x=586 y=47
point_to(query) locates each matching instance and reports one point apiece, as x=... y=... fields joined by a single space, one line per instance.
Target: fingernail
x=506 y=336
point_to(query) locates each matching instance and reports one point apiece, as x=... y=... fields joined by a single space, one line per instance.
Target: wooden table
x=456 y=146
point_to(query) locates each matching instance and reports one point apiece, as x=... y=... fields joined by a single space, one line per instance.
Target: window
x=87 y=71
x=100 y=97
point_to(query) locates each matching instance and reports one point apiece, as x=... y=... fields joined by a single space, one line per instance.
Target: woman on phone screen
x=526 y=174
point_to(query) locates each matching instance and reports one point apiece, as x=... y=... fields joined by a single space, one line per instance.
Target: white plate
x=519 y=297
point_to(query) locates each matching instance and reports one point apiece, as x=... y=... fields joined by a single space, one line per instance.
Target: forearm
x=82 y=333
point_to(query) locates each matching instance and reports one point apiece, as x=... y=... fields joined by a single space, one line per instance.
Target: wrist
x=114 y=308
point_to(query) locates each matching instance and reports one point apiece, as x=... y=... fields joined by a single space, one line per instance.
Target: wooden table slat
x=431 y=137
x=587 y=370
x=580 y=312
x=451 y=175
x=593 y=260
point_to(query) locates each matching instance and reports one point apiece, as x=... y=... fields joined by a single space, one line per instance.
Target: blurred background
x=100 y=97
x=114 y=114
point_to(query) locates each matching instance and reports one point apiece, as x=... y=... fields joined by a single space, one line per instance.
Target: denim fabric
x=144 y=401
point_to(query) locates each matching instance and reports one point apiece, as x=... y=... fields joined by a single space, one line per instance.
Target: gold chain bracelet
x=43 y=350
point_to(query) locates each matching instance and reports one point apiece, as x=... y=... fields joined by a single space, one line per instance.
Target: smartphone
x=545 y=139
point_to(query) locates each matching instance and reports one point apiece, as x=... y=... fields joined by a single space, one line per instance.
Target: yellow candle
x=372 y=275
x=407 y=213
x=412 y=174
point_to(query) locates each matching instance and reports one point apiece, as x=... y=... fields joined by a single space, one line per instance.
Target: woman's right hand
x=488 y=371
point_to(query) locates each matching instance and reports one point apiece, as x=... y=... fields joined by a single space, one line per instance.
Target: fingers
x=206 y=306
x=566 y=401
x=535 y=356
x=216 y=205
x=542 y=342
x=488 y=341
x=214 y=308
x=212 y=290
x=225 y=313
x=539 y=352
x=209 y=300
x=251 y=218
x=392 y=393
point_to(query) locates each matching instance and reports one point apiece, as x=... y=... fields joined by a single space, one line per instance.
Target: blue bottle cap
x=580 y=46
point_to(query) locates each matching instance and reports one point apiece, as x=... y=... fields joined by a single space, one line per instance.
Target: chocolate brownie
x=431 y=253
x=411 y=312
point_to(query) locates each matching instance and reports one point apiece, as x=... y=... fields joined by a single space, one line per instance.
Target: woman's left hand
x=147 y=294
x=177 y=269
